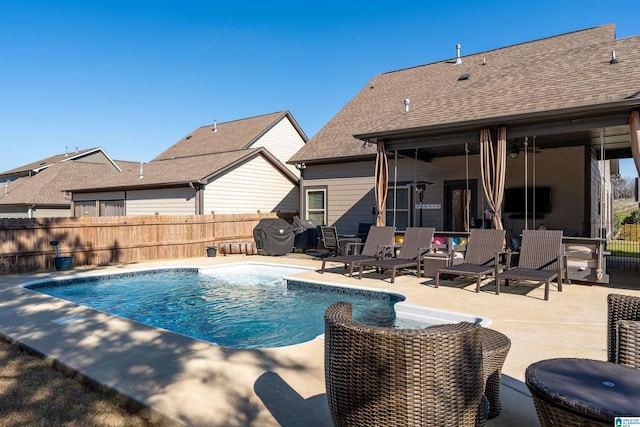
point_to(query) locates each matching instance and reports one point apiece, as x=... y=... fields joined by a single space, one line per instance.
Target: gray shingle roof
x=199 y=156
x=555 y=73
x=167 y=172
x=47 y=187
x=230 y=136
x=43 y=163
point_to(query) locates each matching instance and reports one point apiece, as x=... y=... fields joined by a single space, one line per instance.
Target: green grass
x=624 y=248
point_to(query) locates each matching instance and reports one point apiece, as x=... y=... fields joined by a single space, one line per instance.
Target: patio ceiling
x=571 y=127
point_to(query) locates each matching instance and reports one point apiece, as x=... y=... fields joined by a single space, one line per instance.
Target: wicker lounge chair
x=378 y=240
x=399 y=377
x=481 y=259
x=541 y=260
x=417 y=242
x=623 y=330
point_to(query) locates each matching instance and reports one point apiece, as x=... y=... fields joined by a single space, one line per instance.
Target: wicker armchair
x=399 y=377
x=623 y=330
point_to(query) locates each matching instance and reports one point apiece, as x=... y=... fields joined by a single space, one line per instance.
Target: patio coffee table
x=583 y=392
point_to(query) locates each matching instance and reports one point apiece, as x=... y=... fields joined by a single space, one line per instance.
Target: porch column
x=634 y=127
x=493 y=170
x=381 y=182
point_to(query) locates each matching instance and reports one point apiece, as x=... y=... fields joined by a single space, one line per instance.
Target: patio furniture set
x=540 y=256
x=450 y=374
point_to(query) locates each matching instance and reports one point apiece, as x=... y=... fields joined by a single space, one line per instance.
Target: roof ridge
x=515 y=45
x=279 y=113
x=205 y=154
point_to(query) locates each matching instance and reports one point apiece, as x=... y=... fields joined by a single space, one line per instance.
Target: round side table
x=583 y=392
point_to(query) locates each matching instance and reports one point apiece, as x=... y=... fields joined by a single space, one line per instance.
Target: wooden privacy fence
x=25 y=244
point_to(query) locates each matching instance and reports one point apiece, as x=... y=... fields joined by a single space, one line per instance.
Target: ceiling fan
x=515 y=147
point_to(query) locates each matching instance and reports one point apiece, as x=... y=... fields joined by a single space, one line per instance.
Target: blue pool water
x=240 y=306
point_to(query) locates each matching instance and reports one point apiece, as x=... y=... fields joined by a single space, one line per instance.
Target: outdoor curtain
x=634 y=125
x=381 y=182
x=493 y=162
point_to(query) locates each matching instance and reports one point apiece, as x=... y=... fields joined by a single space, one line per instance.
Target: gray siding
x=52 y=212
x=103 y=195
x=350 y=196
x=349 y=192
x=17 y=212
x=164 y=201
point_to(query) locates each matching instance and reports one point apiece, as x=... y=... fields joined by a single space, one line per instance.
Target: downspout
x=30 y=211
x=301 y=167
x=199 y=199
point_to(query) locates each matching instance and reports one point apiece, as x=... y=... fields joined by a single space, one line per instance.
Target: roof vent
x=458 y=58
x=614 y=60
x=464 y=76
x=66 y=150
x=484 y=61
x=141 y=171
x=215 y=125
x=406 y=105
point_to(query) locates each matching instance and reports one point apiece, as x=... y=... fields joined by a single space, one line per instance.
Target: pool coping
x=403 y=309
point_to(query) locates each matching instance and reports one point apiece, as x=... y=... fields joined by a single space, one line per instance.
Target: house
x=36 y=190
x=233 y=167
x=562 y=106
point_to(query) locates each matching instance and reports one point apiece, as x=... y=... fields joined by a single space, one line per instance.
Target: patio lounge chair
x=378 y=376
x=329 y=239
x=417 y=242
x=482 y=256
x=541 y=260
x=378 y=241
x=623 y=330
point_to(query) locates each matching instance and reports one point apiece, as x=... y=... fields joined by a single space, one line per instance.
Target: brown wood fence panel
x=25 y=243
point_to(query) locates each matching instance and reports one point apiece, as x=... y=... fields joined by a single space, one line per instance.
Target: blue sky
x=136 y=76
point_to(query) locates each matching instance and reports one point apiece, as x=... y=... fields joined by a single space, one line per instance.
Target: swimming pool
x=240 y=306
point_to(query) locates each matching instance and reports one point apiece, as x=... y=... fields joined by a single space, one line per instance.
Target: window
x=402 y=210
x=85 y=208
x=111 y=207
x=317 y=206
x=99 y=208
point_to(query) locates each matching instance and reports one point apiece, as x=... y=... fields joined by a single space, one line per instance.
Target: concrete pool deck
x=178 y=380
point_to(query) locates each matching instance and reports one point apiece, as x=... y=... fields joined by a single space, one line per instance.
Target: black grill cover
x=274 y=236
x=306 y=233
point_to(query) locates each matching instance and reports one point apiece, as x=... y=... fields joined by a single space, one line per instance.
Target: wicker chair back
x=393 y=377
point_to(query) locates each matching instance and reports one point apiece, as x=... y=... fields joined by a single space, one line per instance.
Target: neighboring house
x=232 y=167
x=36 y=190
x=569 y=97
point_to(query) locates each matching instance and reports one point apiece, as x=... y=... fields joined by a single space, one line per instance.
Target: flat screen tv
x=514 y=200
